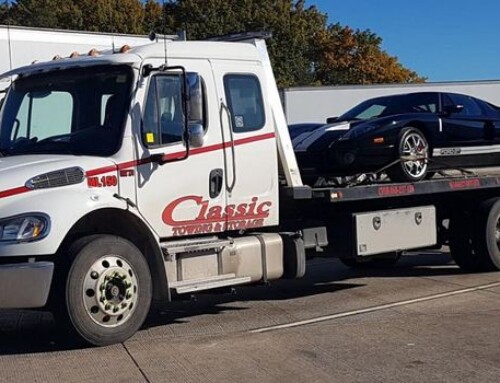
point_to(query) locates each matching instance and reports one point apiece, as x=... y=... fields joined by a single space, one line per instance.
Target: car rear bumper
x=25 y=285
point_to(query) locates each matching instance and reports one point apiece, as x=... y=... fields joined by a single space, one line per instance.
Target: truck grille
x=63 y=177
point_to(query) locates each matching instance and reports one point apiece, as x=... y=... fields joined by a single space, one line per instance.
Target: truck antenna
x=8 y=34
x=164 y=27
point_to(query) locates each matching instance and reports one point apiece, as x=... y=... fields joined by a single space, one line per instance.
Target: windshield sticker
x=150 y=138
x=239 y=121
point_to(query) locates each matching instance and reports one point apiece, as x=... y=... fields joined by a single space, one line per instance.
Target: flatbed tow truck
x=131 y=177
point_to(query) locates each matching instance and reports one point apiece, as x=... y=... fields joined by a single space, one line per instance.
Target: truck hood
x=16 y=170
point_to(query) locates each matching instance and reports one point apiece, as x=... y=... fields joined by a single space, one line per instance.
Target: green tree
x=347 y=56
x=5 y=16
x=305 y=50
x=293 y=26
x=45 y=13
x=120 y=16
x=153 y=16
x=123 y=16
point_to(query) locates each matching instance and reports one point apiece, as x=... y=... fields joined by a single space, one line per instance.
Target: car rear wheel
x=411 y=143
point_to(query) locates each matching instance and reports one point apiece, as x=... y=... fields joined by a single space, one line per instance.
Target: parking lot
x=422 y=320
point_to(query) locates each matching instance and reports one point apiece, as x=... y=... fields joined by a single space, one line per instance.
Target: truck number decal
x=102 y=182
x=216 y=218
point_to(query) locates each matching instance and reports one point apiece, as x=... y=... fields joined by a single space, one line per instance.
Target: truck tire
x=108 y=290
x=378 y=262
x=486 y=235
x=475 y=241
x=461 y=248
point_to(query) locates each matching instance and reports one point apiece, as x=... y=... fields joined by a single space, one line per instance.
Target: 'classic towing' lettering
x=216 y=218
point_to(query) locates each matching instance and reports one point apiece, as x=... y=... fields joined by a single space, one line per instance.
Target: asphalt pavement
x=422 y=320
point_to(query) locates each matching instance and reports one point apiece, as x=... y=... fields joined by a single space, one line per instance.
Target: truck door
x=184 y=196
x=251 y=170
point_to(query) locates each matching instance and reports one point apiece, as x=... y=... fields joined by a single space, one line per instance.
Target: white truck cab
x=127 y=176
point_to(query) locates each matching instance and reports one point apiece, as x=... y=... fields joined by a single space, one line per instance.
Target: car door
x=464 y=128
x=492 y=119
x=466 y=132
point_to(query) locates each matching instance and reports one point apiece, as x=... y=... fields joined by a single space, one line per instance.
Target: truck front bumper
x=25 y=285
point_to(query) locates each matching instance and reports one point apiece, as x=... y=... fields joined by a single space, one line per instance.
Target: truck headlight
x=24 y=228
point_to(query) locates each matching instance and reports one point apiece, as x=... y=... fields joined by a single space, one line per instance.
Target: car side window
x=422 y=102
x=163 y=121
x=471 y=107
x=372 y=111
x=244 y=98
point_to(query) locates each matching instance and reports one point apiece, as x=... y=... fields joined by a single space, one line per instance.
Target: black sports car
x=408 y=136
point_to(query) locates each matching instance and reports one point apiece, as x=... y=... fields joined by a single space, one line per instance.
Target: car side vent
x=63 y=177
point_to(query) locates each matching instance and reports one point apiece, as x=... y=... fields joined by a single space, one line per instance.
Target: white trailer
x=21 y=46
x=316 y=104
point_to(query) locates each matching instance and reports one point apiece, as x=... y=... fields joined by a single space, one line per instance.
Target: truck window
x=244 y=98
x=163 y=121
x=104 y=104
x=44 y=115
x=78 y=111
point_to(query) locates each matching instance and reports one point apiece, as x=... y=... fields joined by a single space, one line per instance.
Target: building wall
x=317 y=104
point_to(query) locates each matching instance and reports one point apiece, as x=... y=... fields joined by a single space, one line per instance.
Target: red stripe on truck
x=167 y=156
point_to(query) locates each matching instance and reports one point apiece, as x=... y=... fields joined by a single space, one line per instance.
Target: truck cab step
x=192 y=245
x=190 y=286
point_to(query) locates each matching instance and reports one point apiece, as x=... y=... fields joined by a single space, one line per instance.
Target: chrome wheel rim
x=110 y=291
x=414 y=145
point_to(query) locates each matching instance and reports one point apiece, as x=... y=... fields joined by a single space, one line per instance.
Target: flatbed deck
x=479 y=179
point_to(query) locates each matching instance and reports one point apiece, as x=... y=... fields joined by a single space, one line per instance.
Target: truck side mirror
x=196 y=135
x=195 y=98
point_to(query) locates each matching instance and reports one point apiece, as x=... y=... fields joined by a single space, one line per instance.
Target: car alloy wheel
x=415 y=145
x=413 y=152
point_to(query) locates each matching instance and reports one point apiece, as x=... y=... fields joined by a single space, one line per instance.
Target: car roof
x=401 y=95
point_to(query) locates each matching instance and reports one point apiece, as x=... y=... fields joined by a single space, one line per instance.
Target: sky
x=443 y=40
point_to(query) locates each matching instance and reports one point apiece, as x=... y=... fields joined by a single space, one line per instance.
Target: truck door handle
x=215 y=183
x=225 y=109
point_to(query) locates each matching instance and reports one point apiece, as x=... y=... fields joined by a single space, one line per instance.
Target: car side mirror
x=196 y=135
x=331 y=120
x=452 y=109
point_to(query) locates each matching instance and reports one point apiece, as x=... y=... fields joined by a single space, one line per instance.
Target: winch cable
x=372 y=177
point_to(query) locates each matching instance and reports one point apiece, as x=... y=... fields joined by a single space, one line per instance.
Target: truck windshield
x=74 y=111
